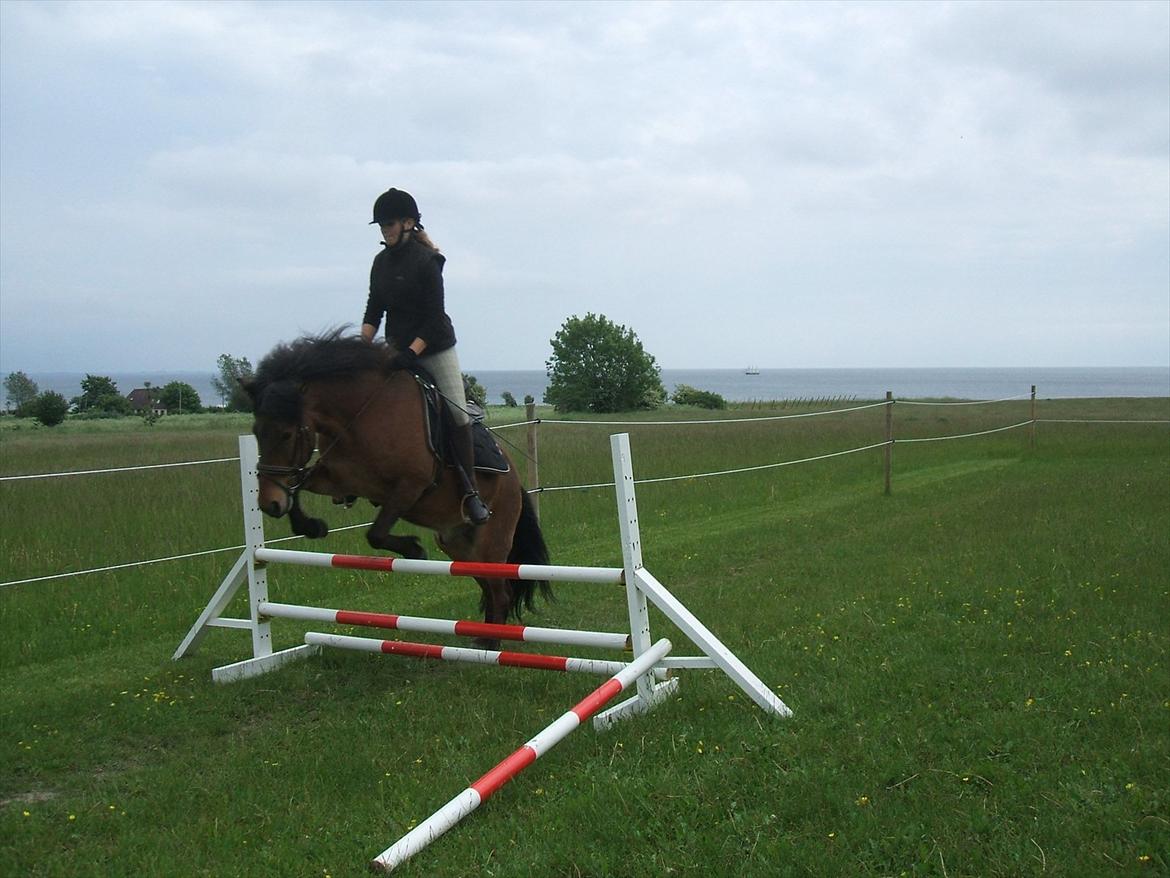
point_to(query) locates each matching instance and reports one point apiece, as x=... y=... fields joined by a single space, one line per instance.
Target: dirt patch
x=30 y=798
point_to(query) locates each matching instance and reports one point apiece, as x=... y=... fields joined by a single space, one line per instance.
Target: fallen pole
x=461 y=628
x=479 y=792
x=470 y=656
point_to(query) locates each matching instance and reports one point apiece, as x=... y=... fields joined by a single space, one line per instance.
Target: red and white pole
x=459 y=627
x=472 y=797
x=470 y=656
x=550 y=572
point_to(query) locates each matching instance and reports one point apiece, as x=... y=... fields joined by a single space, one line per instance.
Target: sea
x=735 y=385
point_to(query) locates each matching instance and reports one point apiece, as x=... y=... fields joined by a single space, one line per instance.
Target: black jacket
x=406 y=284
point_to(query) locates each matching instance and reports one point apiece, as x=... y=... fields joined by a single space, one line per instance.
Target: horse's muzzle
x=276 y=509
x=274 y=499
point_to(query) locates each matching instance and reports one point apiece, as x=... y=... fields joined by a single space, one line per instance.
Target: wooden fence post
x=889 y=437
x=533 y=458
x=1032 y=426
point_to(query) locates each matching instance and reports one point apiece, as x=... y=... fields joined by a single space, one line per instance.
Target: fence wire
x=116 y=469
x=964 y=435
x=555 y=488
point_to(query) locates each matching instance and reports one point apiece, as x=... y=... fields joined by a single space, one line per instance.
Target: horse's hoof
x=485 y=643
x=416 y=551
x=313 y=528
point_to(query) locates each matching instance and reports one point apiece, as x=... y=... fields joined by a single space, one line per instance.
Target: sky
x=783 y=185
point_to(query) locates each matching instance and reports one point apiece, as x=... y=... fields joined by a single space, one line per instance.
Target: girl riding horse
x=406 y=284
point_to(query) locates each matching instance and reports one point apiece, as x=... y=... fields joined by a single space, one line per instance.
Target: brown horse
x=335 y=393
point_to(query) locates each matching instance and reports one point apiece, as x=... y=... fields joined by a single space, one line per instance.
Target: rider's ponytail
x=423 y=238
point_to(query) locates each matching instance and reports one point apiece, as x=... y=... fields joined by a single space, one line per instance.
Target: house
x=141 y=401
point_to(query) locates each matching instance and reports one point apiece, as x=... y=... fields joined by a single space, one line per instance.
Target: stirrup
x=475 y=510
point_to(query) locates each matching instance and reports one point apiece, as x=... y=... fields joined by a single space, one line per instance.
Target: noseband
x=299 y=474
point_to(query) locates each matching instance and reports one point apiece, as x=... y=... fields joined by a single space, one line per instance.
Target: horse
x=337 y=394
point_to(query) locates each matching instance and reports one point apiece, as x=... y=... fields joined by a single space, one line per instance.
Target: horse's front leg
x=305 y=525
x=379 y=537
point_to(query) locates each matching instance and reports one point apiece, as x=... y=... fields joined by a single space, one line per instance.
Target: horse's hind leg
x=379 y=537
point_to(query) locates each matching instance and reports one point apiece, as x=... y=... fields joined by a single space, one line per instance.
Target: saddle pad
x=488 y=456
x=487 y=453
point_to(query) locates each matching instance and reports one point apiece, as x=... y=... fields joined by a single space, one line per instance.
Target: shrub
x=706 y=399
x=509 y=400
x=49 y=408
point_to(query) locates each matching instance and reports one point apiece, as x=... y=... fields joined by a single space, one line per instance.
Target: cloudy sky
x=776 y=184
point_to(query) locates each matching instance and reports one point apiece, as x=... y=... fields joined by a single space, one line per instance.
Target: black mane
x=275 y=386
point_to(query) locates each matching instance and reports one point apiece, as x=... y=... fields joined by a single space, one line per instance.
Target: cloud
x=710 y=175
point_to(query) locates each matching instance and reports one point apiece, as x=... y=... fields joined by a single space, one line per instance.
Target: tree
x=180 y=398
x=20 y=390
x=49 y=408
x=232 y=370
x=99 y=394
x=598 y=366
x=509 y=400
x=474 y=391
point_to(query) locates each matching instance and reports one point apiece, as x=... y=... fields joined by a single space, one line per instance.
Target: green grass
x=977 y=664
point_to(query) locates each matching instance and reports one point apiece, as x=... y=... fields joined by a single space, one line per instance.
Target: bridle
x=299 y=474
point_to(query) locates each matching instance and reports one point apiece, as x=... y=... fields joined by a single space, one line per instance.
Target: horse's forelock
x=280 y=401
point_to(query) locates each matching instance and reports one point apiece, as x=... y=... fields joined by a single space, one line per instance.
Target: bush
x=509 y=400
x=704 y=399
x=49 y=408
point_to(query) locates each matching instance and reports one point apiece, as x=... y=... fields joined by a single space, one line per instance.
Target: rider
x=406 y=284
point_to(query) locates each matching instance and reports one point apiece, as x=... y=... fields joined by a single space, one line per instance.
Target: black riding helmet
x=394 y=204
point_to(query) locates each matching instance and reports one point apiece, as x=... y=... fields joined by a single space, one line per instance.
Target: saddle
x=437 y=419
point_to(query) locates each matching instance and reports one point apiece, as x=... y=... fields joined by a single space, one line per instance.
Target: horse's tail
x=528 y=548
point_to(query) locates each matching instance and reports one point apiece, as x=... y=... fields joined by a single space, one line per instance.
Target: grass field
x=978 y=664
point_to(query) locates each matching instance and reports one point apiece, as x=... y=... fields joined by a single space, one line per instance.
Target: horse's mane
x=330 y=355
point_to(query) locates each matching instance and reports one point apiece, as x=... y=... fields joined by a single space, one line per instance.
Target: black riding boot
x=473 y=506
